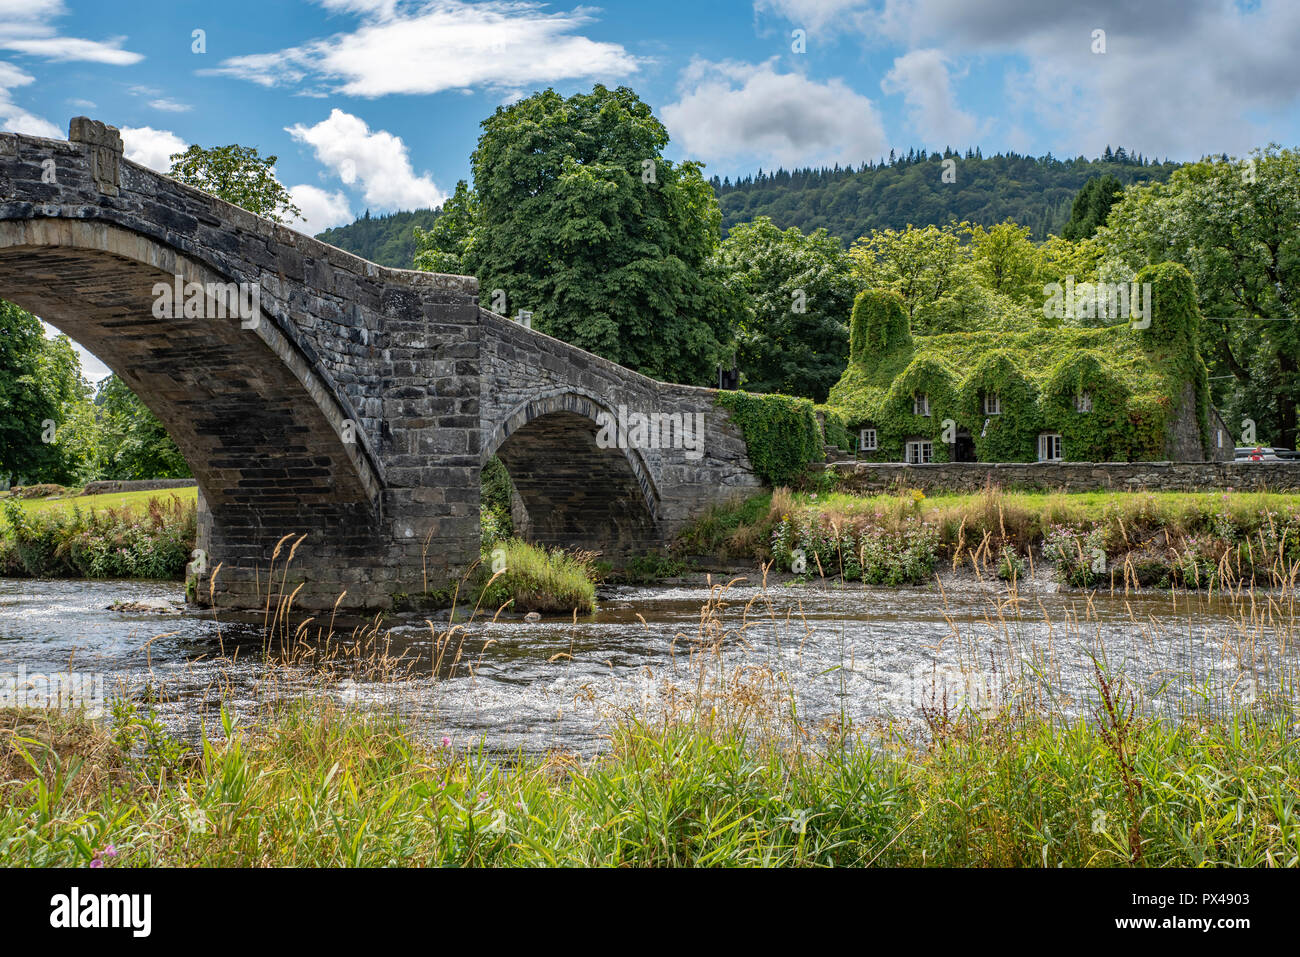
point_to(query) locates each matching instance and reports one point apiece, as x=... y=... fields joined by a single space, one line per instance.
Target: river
x=854 y=653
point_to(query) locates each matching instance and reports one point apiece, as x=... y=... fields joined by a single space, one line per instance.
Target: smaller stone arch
x=574 y=492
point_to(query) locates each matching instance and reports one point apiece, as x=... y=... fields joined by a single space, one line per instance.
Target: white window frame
x=924 y=449
x=1083 y=402
x=992 y=403
x=921 y=404
x=868 y=440
x=1049 y=442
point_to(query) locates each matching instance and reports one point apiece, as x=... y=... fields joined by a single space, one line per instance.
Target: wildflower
x=446 y=742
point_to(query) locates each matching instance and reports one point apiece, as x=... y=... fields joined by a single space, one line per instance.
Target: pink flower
x=110 y=851
x=446 y=742
x=96 y=862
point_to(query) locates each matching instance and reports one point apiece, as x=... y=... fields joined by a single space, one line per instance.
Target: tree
x=134 y=443
x=1235 y=225
x=1006 y=261
x=583 y=222
x=1092 y=205
x=44 y=403
x=238 y=175
x=444 y=245
x=797 y=293
x=938 y=279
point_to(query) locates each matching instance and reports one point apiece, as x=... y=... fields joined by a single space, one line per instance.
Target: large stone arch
x=261 y=430
x=572 y=491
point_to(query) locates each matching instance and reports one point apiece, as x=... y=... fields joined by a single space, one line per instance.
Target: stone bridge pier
x=335 y=408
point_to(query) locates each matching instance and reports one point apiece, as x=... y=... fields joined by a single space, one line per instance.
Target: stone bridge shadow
x=356 y=408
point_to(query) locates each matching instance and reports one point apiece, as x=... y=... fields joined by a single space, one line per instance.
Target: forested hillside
x=387 y=240
x=910 y=190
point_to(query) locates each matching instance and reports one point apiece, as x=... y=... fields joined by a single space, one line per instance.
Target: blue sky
x=376 y=103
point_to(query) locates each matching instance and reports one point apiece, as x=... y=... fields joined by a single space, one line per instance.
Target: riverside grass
x=722 y=771
x=321 y=786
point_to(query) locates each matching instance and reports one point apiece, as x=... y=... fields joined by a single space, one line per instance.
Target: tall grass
x=718 y=768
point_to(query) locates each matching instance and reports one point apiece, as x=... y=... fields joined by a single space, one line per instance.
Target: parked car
x=1258 y=453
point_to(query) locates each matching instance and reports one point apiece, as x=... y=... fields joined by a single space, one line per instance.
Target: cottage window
x=1083 y=402
x=1049 y=447
x=921 y=404
x=920 y=452
x=867 y=440
x=992 y=403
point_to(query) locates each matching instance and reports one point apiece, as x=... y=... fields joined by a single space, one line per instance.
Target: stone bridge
x=339 y=400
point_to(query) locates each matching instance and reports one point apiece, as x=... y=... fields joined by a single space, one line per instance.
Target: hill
x=1035 y=192
x=387 y=240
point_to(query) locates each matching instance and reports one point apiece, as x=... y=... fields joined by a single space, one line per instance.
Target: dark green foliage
x=134 y=444
x=1107 y=431
x=1092 y=206
x=442 y=247
x=388 y=240
x=781 y=434
x=584 y=223
x=796 y=291
x=41 y=389
x=851 y=202
x=1011 y=435
x=879 y=325
x=494 y=502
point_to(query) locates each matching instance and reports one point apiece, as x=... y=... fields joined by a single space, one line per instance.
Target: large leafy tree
x=238 y=175
x=583 y=222
x=46 y=432
x=797 y=292
x=134 y=443
x=1235 y=224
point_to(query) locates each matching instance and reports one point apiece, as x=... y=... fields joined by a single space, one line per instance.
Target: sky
x=376 y=104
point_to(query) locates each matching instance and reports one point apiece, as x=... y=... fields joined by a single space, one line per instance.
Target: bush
x=111 y=543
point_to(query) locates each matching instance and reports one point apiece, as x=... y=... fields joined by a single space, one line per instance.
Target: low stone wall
x=1071 y=476
x=113 y=487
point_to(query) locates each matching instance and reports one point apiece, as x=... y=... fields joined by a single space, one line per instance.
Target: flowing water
x=850 y=653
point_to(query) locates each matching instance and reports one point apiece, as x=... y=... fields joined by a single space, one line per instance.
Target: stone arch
x=260 y=426
x=574 y=492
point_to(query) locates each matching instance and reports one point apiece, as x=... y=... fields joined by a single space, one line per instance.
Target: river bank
x=317 y=785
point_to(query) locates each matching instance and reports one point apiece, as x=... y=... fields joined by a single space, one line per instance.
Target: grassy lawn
x=135 y=501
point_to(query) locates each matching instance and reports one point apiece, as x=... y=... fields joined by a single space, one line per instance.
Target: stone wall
x=1071 y=476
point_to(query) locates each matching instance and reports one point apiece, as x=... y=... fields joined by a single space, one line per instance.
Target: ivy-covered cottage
x=1119 y=393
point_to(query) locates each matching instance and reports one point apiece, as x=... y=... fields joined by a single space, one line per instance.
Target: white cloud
x=814 y=14
x=25 y=27
x=170 y=106
x=922 y=77
x=427 y=46
x=1179 y=77
x=378 y=161
x=320 y=209
x=738 y=112
x=15 y=119
x=150 y=147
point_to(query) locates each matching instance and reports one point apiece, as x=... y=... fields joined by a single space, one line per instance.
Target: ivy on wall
x=781 y=433
x=1134 y=377
x=1012 y=434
